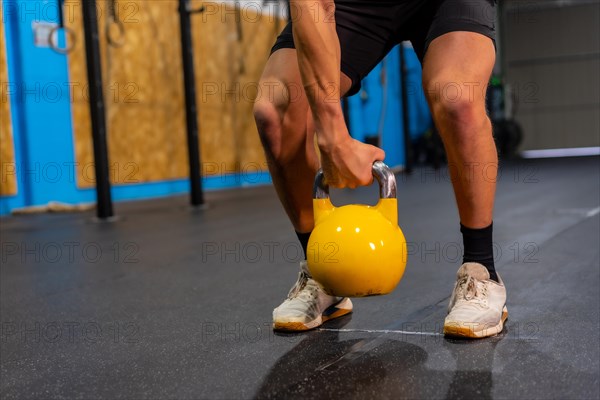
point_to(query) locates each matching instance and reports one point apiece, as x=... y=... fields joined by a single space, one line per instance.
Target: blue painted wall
x=377 y=109
x=40 y=103
x=38 y=89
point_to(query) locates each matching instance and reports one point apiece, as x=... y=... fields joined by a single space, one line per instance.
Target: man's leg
x=285 y=127
x=457 y=68
x=283 y=120
x=284 y=124
x=456 y=71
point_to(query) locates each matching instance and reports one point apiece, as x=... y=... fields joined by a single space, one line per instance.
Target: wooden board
x=8 y=178
x=144 y=91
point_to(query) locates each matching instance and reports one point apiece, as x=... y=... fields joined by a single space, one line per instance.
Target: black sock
x=479 y=248
x=303 y=238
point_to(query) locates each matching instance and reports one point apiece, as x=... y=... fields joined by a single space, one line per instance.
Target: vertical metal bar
x=97 y=111
x=189 y=81
x=408 y=154
x=61 y=18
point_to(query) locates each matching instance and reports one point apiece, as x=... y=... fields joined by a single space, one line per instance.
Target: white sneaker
x=477 y=306
x=307 y=306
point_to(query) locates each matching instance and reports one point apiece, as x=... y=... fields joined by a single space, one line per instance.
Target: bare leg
x=456 y=71
x=286 y=129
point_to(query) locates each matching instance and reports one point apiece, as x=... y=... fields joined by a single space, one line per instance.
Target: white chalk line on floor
x=593 y=212
x=383 y=331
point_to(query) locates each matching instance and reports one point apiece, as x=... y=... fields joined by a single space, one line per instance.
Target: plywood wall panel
x=144 y=91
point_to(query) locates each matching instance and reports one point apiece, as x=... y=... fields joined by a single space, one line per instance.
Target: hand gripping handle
x=381 y=172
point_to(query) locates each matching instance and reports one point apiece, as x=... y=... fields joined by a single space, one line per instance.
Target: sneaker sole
x=468 y=332
x=336 y=310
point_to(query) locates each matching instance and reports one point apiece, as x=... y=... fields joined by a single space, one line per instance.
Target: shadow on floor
x=324 y=366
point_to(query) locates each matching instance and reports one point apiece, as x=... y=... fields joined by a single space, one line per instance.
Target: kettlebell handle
x=381 y=172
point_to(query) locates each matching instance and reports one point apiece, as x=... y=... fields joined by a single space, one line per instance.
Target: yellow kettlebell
x=357 y=250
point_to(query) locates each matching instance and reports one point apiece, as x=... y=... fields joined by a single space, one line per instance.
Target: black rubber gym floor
x=169 y=302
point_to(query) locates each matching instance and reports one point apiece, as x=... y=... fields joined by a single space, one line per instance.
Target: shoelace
x=472 y=291
x=297 y=290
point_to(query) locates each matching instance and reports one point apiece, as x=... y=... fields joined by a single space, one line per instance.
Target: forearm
x=318 y=49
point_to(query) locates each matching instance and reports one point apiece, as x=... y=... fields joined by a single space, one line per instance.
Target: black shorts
x=369 y=29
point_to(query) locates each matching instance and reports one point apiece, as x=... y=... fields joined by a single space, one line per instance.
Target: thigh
x=446 y=16
x=457 y=68
x=281 y=83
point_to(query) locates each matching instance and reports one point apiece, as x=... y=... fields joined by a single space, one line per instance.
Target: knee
x=268 y=122
x=458 y=116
